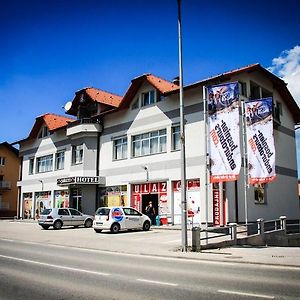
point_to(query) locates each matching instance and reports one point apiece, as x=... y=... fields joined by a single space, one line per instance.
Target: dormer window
x=148 y=98
x=136 y=103
x=44 y=132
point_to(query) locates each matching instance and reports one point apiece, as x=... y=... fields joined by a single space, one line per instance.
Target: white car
x=58 y=217
x=120 y=218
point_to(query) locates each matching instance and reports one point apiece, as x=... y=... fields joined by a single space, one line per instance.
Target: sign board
x=78 y=180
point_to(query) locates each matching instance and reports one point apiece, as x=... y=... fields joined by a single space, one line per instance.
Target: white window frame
x=77 y=154
x=122 y=144
x=176 y=134
x=44 y=164
x=44 y=132
x=143 y=144
x=149 y=101
x=31 y=166
x=2 y=161
x=60 y=160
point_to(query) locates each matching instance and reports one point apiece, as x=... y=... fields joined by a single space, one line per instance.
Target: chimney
x=176 y=80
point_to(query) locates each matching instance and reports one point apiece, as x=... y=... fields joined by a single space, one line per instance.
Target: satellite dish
x=67 y=106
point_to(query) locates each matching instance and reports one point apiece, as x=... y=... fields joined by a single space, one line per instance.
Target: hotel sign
x=78 y=180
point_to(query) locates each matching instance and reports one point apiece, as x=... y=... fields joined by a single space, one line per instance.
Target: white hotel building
x=126 y=151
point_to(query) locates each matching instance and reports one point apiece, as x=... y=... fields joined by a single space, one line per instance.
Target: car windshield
x=103 y=211
x=46 y=211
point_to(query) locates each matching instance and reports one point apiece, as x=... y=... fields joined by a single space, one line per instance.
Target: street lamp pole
x=182 y=139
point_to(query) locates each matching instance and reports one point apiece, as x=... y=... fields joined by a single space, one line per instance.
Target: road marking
x=179 y=257
x=157 y=282
x=246 y=294
x=54 y=266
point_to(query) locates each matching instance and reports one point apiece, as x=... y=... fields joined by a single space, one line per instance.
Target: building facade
x=126 y=151
x=9 y=175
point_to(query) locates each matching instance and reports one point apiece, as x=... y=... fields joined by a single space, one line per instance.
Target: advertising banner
x=260 y=142
x=224 y=132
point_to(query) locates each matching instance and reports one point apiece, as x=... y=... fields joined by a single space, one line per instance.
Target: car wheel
x=88 y=223
x=115 y=228
x=98 y=230
x=57 y=225
x=146 y=226
x=45 y=226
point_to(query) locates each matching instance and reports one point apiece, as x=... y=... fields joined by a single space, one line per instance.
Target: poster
x=260 y=141
x=193 y=201
x=224 y=132
x=27 y=208
x=62 y=199
x=42 y=201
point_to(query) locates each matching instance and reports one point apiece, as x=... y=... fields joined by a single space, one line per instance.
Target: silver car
x=58 y=217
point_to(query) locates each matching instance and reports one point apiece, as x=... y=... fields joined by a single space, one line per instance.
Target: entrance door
x=146 y=198
x=75 y=201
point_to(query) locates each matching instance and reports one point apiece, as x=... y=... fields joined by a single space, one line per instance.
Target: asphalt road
x=31 y=270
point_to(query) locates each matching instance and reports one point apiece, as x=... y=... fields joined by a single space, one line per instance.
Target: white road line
x=157 y=282
x=54 y=266
x=246 y=294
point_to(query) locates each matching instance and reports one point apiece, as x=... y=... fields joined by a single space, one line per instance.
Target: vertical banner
x=260 y=142
x=224 y=132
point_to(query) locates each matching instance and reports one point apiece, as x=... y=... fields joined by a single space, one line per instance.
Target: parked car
x=120 y=218
x=58 y=217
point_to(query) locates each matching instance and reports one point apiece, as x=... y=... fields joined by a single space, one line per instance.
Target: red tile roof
x=54 y=122
x=160 y=84
x=103 y=97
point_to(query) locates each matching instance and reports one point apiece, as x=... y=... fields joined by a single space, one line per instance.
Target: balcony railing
x=83 y=126
x=5 y=185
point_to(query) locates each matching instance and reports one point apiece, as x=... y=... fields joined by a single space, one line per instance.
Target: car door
x=77 y=218
x=132 y=218
x=65 y=216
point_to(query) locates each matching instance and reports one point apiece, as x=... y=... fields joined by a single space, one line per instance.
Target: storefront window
x=27 y=207
x=61 y=199
x=113 y=196
x=42 y=201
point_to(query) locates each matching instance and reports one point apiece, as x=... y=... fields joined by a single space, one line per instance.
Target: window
x=254 y=91
x=277 y=111
x=2 y=161
x=148 y=98
x=131 y=212
x=136 y=104
x=74 y=212
x=44 y=164
x=63 y=212
x=149 y=143
x=243 y=89
x=77 y=154
x=31 y=166
x=260 y=193
x=176 y=138
x=60 y=160
x=44 y=132
x=120 y=148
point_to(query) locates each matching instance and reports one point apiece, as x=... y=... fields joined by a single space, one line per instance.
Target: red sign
x=191 y=185
x=216 y=207
x=149 y=188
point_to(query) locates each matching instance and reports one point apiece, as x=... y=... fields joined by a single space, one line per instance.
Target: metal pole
x=206 y=159
x=182 y=139
x=245 y=159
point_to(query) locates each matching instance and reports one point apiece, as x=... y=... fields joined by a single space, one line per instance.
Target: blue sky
x=50 y=49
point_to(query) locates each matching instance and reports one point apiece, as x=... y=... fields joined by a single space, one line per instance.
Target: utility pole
x=184 y=241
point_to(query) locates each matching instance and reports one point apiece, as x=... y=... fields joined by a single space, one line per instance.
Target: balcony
x=5 y=185
x=84 y=126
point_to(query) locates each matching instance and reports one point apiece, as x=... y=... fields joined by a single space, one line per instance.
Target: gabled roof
x=52 y=121
x=96 y=95
x=162 y=85
x=10 y=148
x=278 y=83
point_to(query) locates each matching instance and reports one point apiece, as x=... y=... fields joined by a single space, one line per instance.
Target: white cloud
x=287 y=66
